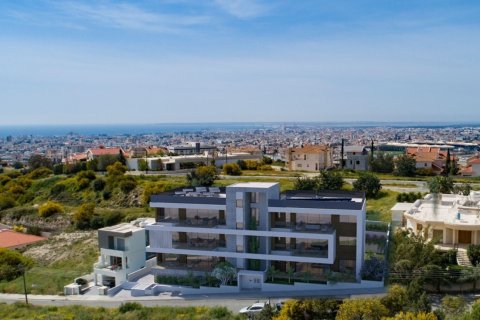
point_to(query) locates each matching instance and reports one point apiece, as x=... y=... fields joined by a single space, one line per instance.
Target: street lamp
x=21 y=268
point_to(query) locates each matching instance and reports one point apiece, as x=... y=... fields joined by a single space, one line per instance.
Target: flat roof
x=122 y=228
x=402 y=206
x=259 y=185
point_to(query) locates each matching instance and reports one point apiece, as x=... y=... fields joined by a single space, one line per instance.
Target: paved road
x=233 y=302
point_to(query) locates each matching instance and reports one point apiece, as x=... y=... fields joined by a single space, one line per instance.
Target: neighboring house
x=253 y=226
x=356 y=158
x=101 y=151
x=122 y=251
x=175 y=163
x=472 y=169
x=192 y=148
x=309 y=158
x=75 y=158
x=431 y=158
x=449 y=218
x=16 y=240
x=142 y=152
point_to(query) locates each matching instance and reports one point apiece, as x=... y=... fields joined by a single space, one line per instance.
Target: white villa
x=450 y=219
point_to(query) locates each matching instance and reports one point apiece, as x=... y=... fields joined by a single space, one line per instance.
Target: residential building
x=253 y=226
x=101 y=151
x=192 y=148
x=309 y=158
x=449 y=219
x=356 y=158
x=472 y=169
x=430 y=158
x=122 y=251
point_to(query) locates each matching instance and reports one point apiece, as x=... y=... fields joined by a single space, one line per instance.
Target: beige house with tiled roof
x=430 y=158
x=309 y=158
x=472 y=169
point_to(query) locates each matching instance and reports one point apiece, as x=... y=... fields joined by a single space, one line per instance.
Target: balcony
x=109 y=267
x=200 y=244
x=195 y=222
x=303 y=227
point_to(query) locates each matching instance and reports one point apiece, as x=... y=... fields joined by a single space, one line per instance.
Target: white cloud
x=128 y=16
x=242 y=8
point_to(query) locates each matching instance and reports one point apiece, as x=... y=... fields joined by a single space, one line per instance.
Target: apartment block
x=309 y=158
x=254 y=227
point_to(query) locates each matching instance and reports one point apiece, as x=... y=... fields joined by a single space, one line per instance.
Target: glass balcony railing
x=303 y=227
x=195 y=222
x=199 y=245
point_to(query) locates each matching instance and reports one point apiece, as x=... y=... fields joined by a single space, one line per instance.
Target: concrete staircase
x=462 y=258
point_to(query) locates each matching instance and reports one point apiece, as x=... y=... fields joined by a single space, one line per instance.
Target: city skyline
x=229 y=61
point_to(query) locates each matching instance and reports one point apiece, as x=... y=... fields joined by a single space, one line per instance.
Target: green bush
x=40 y=173
x=99 y=184
x=369 y=183
x=6 y=202
x=473 y=252
x=129 y=306
x=232 y=169
x=50 y=208
x=127 y=185
x=83 y=215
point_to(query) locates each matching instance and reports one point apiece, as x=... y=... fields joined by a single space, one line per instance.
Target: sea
x=164 y=128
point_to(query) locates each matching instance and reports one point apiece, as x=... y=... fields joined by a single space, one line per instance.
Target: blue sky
x=153 y=61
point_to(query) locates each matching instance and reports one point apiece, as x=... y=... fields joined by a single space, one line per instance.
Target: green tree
x=17 y=165
x=9 y=264
x=7 y=201
x=382 y=163
x=362 y=309
x=127 y=184
x=448 y=164
x=463 y=189
x=37 y=161
x=369 y=183
x=414 y=316
x=272 y=272
x=103 y=161
x=305 y=183
x=441 y=184
x=143 y=165
x=202 y=176
x=330 y=180
x=117 y=169
x=224 y=272
x=405 y=166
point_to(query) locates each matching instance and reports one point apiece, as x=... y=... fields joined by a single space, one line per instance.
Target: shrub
x=265 y=168
x=83 y=215
x=232 y=169
x=251 y=164
x=58 y=169
x=150 y=189
x=127 y=185
x=99 y=184
x=40 y=173
x=49 y=208
x=57 y=189
x=373 y=269
x=6 y=202
x=202 y=176
x=473 y=252
x=129 y=306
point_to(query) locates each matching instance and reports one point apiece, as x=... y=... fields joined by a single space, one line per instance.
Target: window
x=304 y=157
x=358 y=162
x=239 y=248
x=239 y=203
x=347 y=241
x=254 y=197
x=239 y=225
x=348 y=219
x=299 y=165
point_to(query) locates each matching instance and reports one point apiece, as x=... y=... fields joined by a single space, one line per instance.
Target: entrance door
x=464 y=237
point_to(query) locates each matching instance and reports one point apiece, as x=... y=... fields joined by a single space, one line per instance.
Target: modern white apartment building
x=122 y=251
x=253 y=226
x=449 y=219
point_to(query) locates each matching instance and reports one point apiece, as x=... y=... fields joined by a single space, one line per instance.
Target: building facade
x=356 y=158
x=449 y=219
x=254 y=227
x=122 y=251
x=309 y=158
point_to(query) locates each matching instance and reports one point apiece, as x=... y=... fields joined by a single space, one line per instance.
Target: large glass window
x=348 y=219
x=200 y=241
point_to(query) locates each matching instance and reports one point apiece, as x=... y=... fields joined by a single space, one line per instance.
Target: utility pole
x=21 y=268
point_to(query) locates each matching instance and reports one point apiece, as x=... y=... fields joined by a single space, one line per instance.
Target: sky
x=159 y=61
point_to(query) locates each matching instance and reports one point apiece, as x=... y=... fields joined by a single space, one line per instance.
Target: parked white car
x=254 y=308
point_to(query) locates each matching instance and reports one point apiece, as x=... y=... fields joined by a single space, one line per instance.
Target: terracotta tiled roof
x=474 y=161
x=466 y=170
x=12 y=239
x=104 y=151
x=311 y=148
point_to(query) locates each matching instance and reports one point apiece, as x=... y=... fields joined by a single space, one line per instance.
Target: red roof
x=104 y=151
x=11 y=239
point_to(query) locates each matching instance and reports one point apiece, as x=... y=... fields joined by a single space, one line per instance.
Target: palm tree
x=272 y=272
